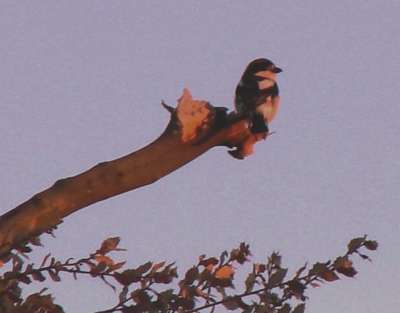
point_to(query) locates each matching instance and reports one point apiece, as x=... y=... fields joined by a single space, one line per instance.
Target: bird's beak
x=276 y=70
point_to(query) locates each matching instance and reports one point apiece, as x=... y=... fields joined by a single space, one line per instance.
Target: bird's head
x=261 y=69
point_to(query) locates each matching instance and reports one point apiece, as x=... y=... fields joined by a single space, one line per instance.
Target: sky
x=81 y=82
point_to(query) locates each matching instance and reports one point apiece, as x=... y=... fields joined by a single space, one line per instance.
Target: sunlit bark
x=181 y=142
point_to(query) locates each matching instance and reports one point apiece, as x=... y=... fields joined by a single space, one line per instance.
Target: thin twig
x=169 y=108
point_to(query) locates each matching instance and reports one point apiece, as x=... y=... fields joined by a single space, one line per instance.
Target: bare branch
x=194 y=128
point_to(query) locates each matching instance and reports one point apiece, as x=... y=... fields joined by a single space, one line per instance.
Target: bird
x=257 y=94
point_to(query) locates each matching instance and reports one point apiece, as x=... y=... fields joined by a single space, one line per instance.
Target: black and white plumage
x=257 y=94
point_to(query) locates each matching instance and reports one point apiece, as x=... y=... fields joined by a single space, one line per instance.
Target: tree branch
x=194 y=128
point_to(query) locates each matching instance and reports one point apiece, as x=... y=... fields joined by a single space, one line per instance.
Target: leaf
x=38 y=276
x=318 y=268
x=270 y=298
x=25 y=279
x=345 y=266
x=184 y=304
x=355 y=244
x=144 y=268
x=39 y=303
x=100 y=258
x=191 y=275
x=99 y=268
x=329 y=275
x=297 y=288
x=29 y=268
x=108 y=245
x=201 y=293
x=166 y=275
x=127 y=277
x=230 y=303
x=166 y=296
x=223 y=256
x=115 y=266
x=315 y=285
x=300 y=308
x=371 y=244
x=5 y=258
x=349 y=272
x=36 y=241
x=275 y=259
x=343 y=262
x=259 y=268
x=140 y=296
x=24 y=249
x=277 y=277
x=210 y=261
x=205 y=275
x=261 y=308
x=123 y=294
x=157 y=266
x=240 y=255
x=58 y=266
x=250 y=281
x=91 y=265
x=224 y=272
x=186 y=292
x=284 y=309
x=17 y=264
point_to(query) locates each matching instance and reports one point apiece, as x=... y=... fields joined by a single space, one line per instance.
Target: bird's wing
x=245 y=97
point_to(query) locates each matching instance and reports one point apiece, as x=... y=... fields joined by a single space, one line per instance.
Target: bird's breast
x=269 y=108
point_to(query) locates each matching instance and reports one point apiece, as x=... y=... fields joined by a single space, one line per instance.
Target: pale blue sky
x=81 y=82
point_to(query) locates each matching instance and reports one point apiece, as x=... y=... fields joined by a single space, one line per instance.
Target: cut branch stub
x=197 y=121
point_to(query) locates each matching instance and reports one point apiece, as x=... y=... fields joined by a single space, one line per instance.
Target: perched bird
x=257 y=94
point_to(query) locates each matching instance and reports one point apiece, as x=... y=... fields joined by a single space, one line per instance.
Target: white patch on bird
x=266 y=74
x=269 y=108
x=265 y=108
x=265 y=84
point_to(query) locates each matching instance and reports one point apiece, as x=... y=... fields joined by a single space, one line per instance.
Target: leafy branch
x=205 y=285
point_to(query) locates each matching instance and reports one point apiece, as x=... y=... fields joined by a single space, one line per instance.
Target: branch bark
x=194 y=128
